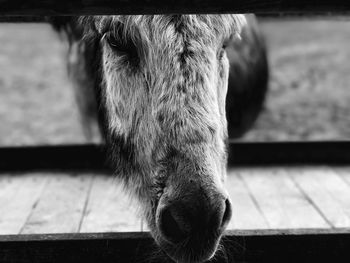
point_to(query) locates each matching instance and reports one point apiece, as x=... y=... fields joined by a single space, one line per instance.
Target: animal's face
x=164 y=83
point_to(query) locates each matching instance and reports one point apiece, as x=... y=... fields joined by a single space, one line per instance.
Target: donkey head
x=163 y=83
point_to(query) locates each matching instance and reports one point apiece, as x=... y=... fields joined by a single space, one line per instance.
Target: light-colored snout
x=191 y=223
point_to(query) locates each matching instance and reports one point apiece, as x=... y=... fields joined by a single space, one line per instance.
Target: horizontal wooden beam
x=261 y=16
x=23 y=19
x=93 y=157
x=109 y=7
x=289 y=153
x=240 y=246
x=58 y=157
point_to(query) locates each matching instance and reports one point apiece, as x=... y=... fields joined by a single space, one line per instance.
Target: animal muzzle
x=191 y=222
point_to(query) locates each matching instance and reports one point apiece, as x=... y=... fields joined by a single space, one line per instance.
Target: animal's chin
x=190 y=251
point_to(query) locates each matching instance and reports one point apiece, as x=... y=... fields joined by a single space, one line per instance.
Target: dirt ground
x=309 y=96
x=309 y=92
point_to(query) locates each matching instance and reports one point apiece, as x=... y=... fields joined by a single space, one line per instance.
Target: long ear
x=248 y=77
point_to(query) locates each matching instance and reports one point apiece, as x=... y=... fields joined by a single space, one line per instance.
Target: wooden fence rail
x=108 y=7
x=93 y=157
x=240 y=246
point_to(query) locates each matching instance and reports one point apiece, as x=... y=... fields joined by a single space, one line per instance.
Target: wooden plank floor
x=263 y=198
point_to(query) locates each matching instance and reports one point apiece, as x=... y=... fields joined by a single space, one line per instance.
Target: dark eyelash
x=117 y=42
x=121 y=45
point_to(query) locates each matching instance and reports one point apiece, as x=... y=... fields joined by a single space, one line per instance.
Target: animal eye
x=226 y=42
x=123 y=47
x=117 y=43
x=221 y=53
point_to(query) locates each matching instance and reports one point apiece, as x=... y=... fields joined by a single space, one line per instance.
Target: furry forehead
x=203 y=24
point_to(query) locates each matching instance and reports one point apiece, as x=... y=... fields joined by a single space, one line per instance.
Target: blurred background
x=308 y=98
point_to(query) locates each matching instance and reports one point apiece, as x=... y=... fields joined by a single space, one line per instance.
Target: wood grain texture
x=18 y=197
x=106 y=7
x=327 y=191
x=280 y=197
x=109 y=208
x=61 y=205
x=245 y=212
x=343 y=172
x=281 y=202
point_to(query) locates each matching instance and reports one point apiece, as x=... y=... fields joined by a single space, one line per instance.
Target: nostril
x=227 y=214
x=172 y=226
